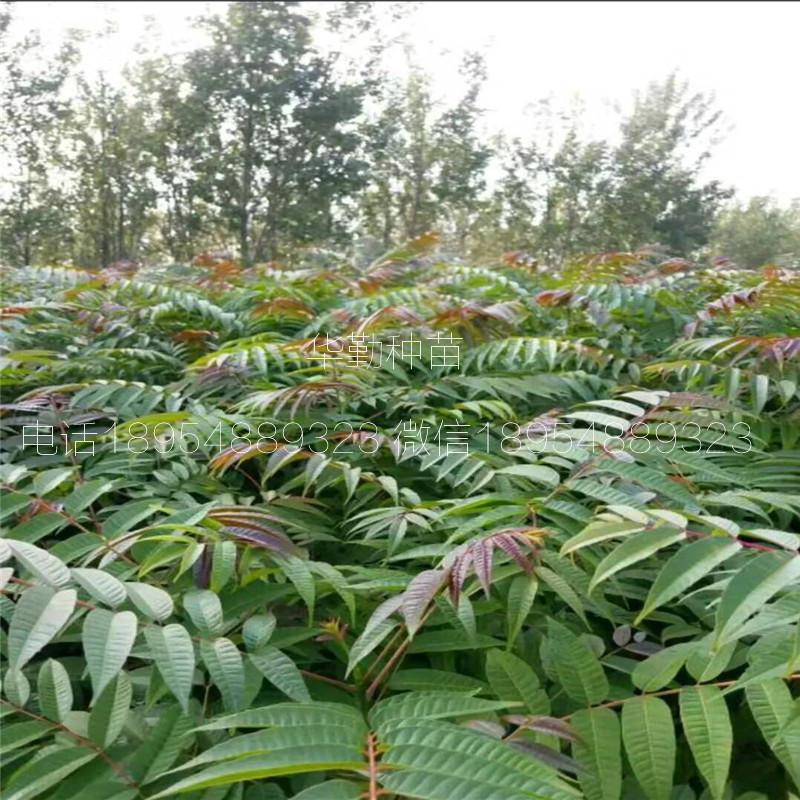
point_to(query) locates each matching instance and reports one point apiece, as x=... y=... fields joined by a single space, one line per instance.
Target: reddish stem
x=372 y=758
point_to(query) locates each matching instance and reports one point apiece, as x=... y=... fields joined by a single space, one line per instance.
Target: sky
x=746 y=53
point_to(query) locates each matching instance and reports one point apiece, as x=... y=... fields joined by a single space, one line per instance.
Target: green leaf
x=772 y=706
x=437 y=760
x=107 y=717
x=152 y=601
x=100 y=585
x=289 y=761
x=161 y=746
x=173 y=653
x=563 y=589
x=749 y=590
x=599 y=531
x=512 y=679
x=577 y=667
x=55 y=690
x=759 y=387
x=332 y=790
x=48 y=480
x=297 y=571
x=16 y=687
x=289 y=714
x=598 y=752
x=43 y=565
x=598 y=418
x=85 y=494
x=6 y=574
x=39 y=615
x=224 y=663
x=279 y=738
x=281 y=672
x=96 y=790
x=658 y=670
x=685 y=568
x=448 y=640
x=107 y=641
x=127 y=515
x=434 y=680
x=205 y=610
x=634 y=550
x=418 y=595
x=223 y=564
x=36 y=527
x=46 y=769
x=705 y=663
x=369 y=639
x=649 y=738
x=533 y=472
x=521 y=594
x=258 y=630
x=431 y=705
x=707 y=726
x=22 y=733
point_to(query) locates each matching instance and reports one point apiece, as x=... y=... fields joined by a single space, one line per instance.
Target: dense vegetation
x=249 y=554
x=266 y=135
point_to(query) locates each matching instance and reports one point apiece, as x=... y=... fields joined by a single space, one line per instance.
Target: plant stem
x=347 y=687
x=373 y=767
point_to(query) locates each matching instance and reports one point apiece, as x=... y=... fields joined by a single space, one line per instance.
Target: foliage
x=246 y=579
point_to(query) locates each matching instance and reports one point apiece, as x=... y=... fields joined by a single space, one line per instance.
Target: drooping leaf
x=257 y=630
x=55 y=690
x=107 y=716
x=772 y=707
x=658 y=670
x=521 y=594
x=161 y=746
x=226 y=668
x=107 y=641
x=633 y=550
x=281 y=672
x=579 y=671
x=152 y=601
x=174 y=656
x=512 y=679
x=750 y=588
x=599 y=752
x=685 y=568
x=100 y=585
x=45 y=566
x=39 y=615
x=205 y=610
x=46 y=769
x=649 y=738
x=418 y=596
x=707 y=725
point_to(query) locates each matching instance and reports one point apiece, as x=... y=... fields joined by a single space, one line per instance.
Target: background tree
x=114 y=193
x=462 y=157
x=265 y=138
x=427 y=166
x=280 y=147
x=33 y=108
x=177 y=123
x=654 y=192
x=759 y=233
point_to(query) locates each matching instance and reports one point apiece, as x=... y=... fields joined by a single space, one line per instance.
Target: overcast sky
x=746 y=53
